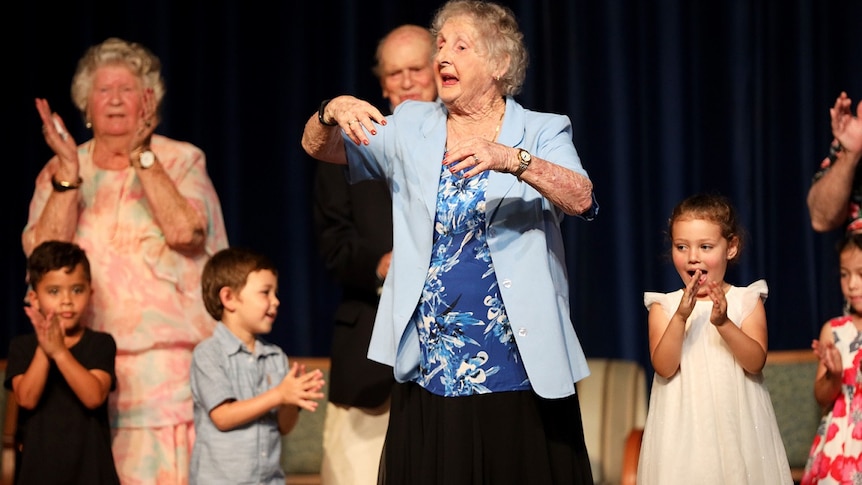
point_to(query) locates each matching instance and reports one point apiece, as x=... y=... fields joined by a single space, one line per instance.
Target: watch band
x=320 y=110
x=64 y=185
x=523 y=162
x=834 y=149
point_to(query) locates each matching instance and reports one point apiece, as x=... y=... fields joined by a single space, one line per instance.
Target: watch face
x=525 y=155
x=148 y=158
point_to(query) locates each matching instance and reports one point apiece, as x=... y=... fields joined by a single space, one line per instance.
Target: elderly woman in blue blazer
x=474 y=314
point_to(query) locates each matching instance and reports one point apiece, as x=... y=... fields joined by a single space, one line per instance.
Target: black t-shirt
x=61 y=441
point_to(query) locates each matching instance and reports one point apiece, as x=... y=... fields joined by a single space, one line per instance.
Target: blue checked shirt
x=224 y=369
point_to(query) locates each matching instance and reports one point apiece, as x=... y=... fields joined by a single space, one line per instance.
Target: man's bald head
x=404 y=65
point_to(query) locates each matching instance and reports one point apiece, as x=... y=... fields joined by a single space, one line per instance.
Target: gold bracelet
x=64 y=185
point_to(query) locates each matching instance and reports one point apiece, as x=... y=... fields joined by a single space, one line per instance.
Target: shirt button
x=507 y=283
x=522 y=332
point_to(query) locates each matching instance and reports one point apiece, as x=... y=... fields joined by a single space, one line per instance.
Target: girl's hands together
x=718 y=316
x=689 y=295
x=829 y=355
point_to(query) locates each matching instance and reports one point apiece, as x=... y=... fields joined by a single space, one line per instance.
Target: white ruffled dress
x=712 y=422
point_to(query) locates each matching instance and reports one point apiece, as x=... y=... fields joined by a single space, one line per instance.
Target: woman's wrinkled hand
x=146 y=123
x=352 y=115
x=59 y=140
x=476 y=155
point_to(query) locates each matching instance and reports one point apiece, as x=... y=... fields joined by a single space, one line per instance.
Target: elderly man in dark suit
x=354 y=228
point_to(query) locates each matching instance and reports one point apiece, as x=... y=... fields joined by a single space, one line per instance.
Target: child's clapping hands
x=302 y=388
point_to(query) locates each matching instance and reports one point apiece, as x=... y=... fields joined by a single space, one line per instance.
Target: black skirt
x=491 y=439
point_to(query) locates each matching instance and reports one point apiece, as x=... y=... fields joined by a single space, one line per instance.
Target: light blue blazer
x=523 y=231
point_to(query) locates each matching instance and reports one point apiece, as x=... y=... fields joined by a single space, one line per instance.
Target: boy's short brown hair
x=230 y=268
x=53 y=256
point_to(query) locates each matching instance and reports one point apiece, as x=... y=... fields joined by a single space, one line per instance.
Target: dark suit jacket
x=353 y=224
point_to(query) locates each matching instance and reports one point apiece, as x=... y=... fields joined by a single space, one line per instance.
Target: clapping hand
x=718 y=316
x=147 y=123
x=50 y=332
x=829 y=355
x=846 y=128
x=689 y=295
x=302 y=388
x=58 y=137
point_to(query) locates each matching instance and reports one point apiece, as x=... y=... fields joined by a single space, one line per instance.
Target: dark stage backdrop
x=666 y=98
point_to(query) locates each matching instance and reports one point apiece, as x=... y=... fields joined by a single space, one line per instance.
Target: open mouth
x=448 y=79
x=691 y=272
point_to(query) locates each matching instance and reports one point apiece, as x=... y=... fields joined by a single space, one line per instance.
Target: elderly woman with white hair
x=474 y=315
x=144 y=209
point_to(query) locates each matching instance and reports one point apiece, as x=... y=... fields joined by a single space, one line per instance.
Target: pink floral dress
x=836 y=454
x=148 y=297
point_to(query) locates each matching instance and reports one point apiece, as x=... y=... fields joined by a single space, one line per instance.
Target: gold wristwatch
x=524 y=160
x=145 y=160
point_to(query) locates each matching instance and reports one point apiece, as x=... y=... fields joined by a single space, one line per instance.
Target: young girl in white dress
x=710 y=418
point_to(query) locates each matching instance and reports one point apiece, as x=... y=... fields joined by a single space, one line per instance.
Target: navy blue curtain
x=667 y=98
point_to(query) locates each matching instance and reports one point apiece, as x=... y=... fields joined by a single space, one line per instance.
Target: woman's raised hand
x=147 y=123
x=352 y=115
x=60 y=140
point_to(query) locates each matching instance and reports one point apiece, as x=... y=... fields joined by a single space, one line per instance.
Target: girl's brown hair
x=715 y=208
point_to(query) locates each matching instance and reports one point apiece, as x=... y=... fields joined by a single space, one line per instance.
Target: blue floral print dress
x=465 y=336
